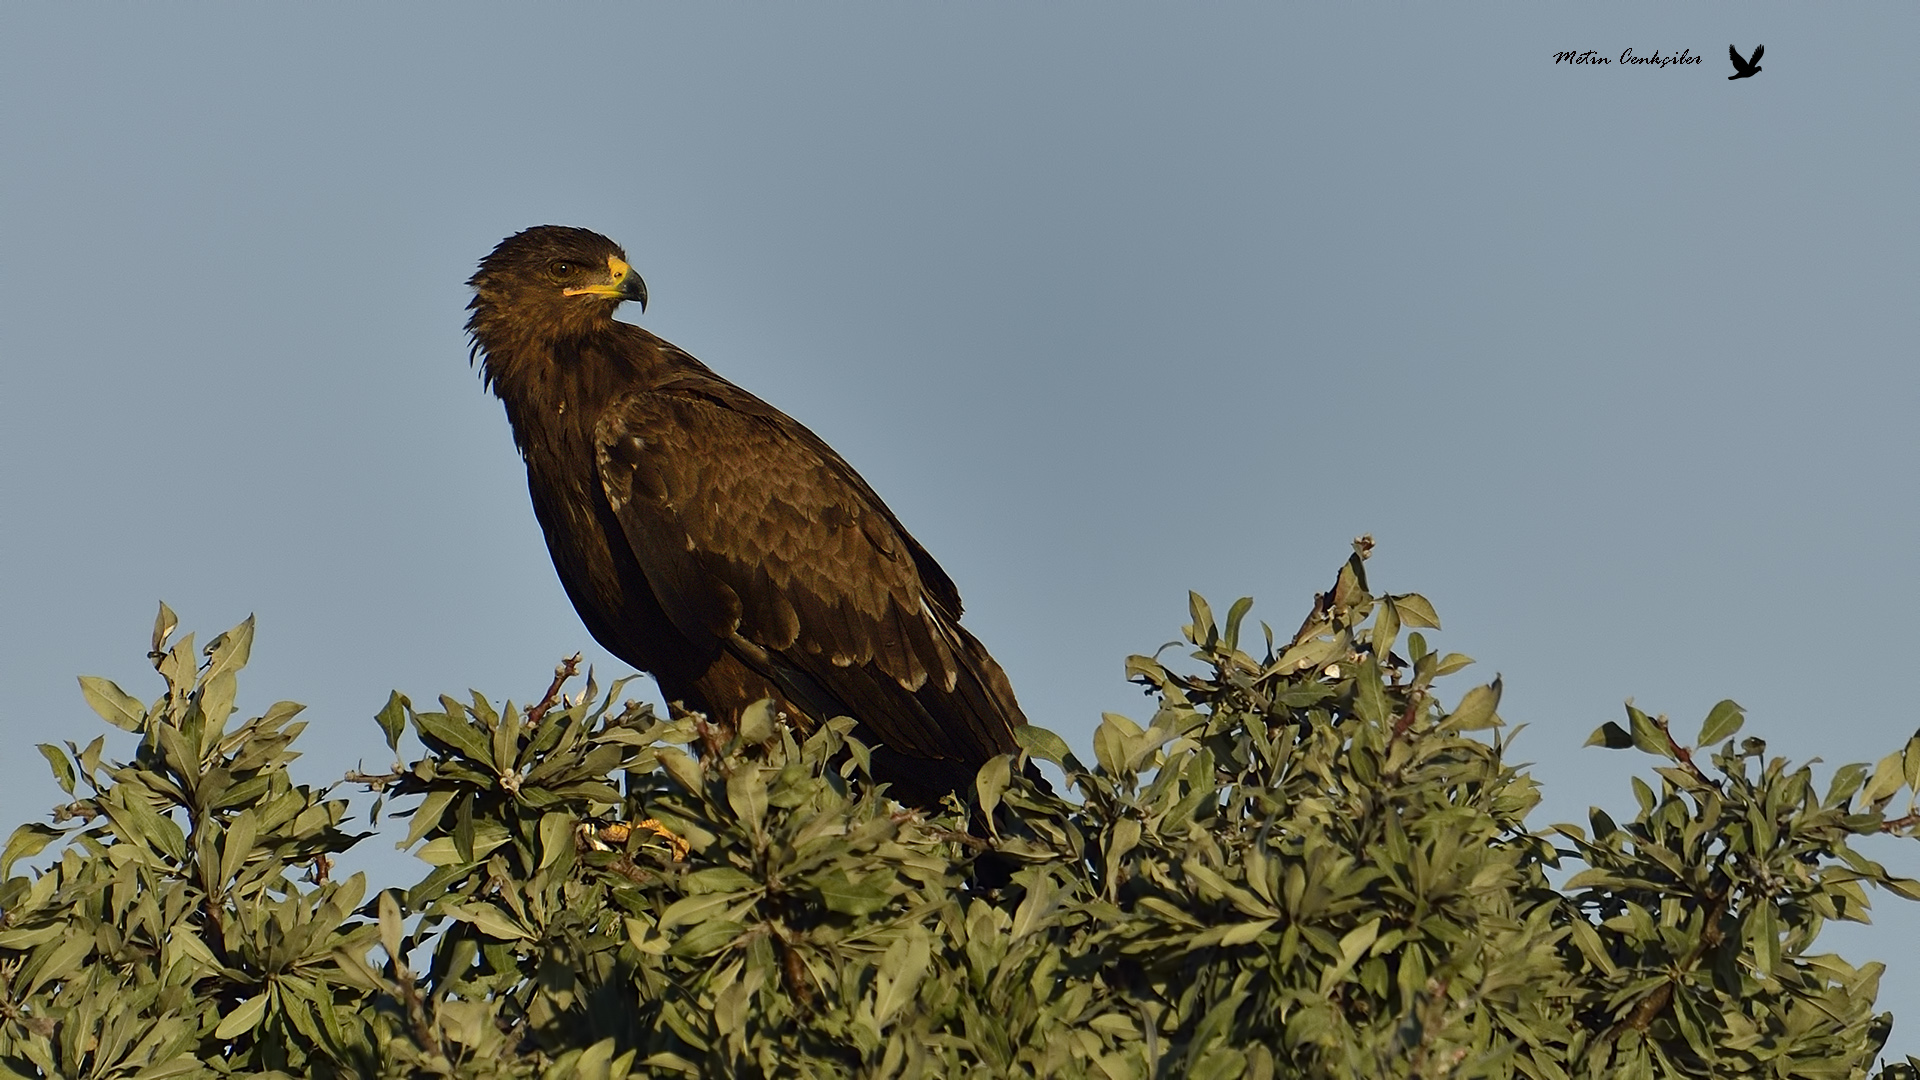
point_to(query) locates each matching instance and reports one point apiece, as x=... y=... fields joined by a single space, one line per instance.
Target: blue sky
x=1109 y=302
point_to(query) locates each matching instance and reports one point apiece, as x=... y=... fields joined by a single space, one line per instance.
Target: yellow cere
x=620 y=270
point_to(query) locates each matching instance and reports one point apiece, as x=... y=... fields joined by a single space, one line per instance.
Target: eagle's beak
x=623 y=284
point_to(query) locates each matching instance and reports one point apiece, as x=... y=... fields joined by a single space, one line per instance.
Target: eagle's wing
x=753 y=532
x=1757 y=50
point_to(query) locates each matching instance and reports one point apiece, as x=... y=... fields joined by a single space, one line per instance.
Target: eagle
x=709 y=539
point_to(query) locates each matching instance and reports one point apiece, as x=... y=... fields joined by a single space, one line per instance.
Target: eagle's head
x=549 y=283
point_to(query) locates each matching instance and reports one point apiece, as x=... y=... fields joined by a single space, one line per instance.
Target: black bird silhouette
x=1745 y=69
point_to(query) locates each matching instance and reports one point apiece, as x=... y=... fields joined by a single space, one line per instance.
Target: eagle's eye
x=560 y=268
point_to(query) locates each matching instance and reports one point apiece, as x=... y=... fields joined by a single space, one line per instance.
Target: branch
x=1402 y=725
x=1682 y=754
x=373 y=781
x=1660 y=997
x=567 y=669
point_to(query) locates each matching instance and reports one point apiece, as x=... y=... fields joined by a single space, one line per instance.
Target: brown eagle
x=711 y=540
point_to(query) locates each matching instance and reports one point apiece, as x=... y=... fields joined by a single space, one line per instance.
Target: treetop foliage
x=1305 y=864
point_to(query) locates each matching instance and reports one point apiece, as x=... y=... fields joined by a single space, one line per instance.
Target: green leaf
x=63 y=960
x=1350 y=587
x=556 y=838
x=1369 y=696
x=115 y=706
x=684 y=770
x=229 y=652
x=1888 y=776
x=391 y=930
x=1588 y=941
x=1232 y=934
x=1034 y=911
x=237 y=844
x=718 y=879
x=848 y=897
x=1647 y=736
x=1235 y=615
x=1904 y=888
x=24 y=938
x=732 y=1006
x=180 y=666
x=1603 y=824
x=181 y=1064
x=392 y=719
x=1723 y=722
x=1847 y=779
x=444 y=851
x=506 y=741
x=215 y=698
x=489 y=920
x=244 y=1018
x=63 y=773
x=747 y=794
x=1386 y=628
x=1110 y=745
x=757 y=723
x=427 y=816
x=1610 y=735
x=141 y=824
x=1314 y=654
x=451 y=729
x=1042 y=743
x=990 y=783
x=1125 y=837
x=163 y=626
x=1353 y=945
x=1476 y=709
x=1202 y=630
x=463 y=828
x=1416 y=610
x=901 y=969
x=706 y=938
x=693 y=909
x=1763 y=937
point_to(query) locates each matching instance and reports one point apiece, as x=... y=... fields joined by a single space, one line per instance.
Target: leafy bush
x=1304 y=864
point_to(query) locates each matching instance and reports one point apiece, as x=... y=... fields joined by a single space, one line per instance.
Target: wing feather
x=753 y=532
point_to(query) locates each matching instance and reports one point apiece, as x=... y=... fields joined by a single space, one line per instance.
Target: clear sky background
x=1108 y=301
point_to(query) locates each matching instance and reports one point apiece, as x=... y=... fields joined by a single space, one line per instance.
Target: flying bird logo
x=1742 y=68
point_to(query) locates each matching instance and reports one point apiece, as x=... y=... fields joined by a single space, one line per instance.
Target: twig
x=567 y=669
x=1660 y=997
x=373 y=781
x=1682 y=754
x=1405 y=723
x=634 y=872
x=417 y=1012
x=966 y=840
x=713 y=741
x=793 y=969
x=83 y=809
